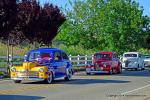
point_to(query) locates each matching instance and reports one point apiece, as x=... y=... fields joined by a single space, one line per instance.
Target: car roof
x=46 y=50
x=105 y=52
x=146 y=55
x=131 y=52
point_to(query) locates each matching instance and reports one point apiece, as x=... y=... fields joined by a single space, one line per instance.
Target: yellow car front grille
x=30 y=74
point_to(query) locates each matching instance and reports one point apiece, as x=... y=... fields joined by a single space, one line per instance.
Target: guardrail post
x=92 y=59
x=70 y=57
x=10 y=58
x=85 y=59
x=78 y=59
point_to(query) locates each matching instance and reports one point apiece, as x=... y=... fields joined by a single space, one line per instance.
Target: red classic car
x=104 y=62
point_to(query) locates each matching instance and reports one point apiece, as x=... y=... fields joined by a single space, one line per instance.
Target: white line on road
x=135 y=90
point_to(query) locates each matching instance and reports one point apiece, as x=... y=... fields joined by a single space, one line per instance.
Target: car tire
x=111 y=71
x=17 y=81
x=50 y=78
x=88 y=73
x=143 y=67
x=137 y=67
x=69 y=75
x=120 y=70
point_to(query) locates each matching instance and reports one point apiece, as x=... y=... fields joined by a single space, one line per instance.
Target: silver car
x=133 y=60
x=146 y=60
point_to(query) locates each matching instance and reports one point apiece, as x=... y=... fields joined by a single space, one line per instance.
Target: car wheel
x=120 y=70
x=69 y=75
x=143 y=67
x=50 y=78
x=137 y=67
x=88 y=73
x=111 y=71
x=17 y=81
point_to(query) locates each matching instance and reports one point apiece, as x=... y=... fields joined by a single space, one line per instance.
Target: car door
x=66 y=61
x=115 y=61
x=140 y=60
x=58 y=64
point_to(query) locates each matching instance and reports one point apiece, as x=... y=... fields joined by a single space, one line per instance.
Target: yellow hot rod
x=44 y=64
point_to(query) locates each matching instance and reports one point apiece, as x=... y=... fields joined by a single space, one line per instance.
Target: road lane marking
x=31 y=88
x=135 y=90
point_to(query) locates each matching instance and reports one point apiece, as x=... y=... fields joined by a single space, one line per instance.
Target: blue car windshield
x=38 y=56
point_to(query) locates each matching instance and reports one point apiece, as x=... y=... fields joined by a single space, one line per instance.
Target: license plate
x=22 y=74
x=99 y=69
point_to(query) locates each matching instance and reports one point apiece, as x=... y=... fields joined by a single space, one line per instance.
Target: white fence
x=76 y=60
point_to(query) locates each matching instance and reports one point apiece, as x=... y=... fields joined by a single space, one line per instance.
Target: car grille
x=147 y=63
x=30 y=74
x=128 y=61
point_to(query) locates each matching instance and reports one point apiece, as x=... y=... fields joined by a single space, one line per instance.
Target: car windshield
x=36 y=56
x=146 y=56
x=102 y=56
x=130 y=55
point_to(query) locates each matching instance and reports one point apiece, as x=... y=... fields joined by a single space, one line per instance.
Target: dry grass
x=17 y=50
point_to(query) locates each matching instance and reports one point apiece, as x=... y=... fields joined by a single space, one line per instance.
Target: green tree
x=117 y=25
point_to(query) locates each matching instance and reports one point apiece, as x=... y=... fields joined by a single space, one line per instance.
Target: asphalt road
x=130 y=85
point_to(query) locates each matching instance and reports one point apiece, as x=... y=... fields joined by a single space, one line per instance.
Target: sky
x=62 y=3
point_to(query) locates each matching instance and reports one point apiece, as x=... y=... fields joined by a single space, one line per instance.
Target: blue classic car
x=43 y=64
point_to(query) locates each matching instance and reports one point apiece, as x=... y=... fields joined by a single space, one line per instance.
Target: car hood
x=100 y=61
x=146 y=59
x=131 y=58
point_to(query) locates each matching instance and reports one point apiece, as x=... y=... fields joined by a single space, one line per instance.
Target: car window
x=64 y=56
x=102 y=56
x=46 y=56
x=57 y=56
x=115 y=56
x=146 y=56
x=33 y=56
x=130 y=55
x=140 y=55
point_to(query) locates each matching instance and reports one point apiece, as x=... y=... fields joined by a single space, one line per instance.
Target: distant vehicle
x=104 y=62
x=146 y=60
x=43 y=64
x=133 y=60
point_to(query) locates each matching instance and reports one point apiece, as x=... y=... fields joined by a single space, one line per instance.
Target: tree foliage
x=117 y=25
x=8 y=12
x=40 y=24
x=28 y=20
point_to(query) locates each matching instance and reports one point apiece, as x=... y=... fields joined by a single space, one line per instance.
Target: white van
x=133 y=60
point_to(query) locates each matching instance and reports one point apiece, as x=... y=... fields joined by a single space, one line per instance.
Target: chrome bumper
x=88 y=70
x=97 y=72
x=30 y=79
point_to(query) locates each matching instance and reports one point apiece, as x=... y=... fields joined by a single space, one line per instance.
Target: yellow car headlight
x=41 y=70
x=13 y=69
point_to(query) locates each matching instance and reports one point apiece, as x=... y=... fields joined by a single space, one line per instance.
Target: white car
x=146 y=60
x=133 y=60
